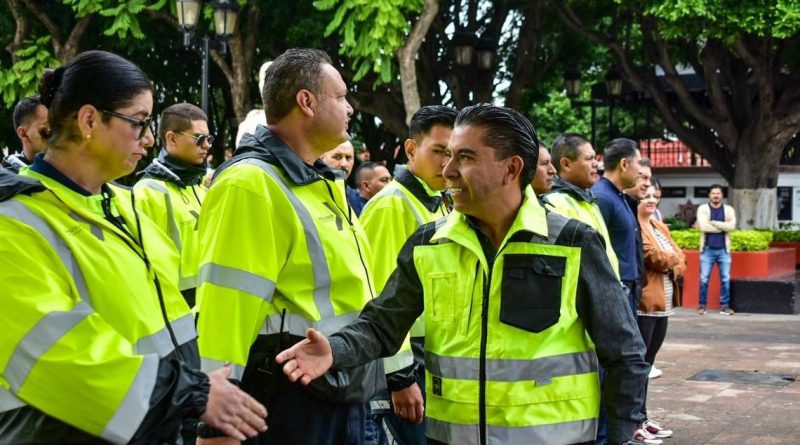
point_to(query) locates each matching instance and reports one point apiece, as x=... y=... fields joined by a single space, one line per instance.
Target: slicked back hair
x=296 y=69
x=567 y=146
x=617 y=150
x=426 y=117
x=508 y=132
x=178 y=118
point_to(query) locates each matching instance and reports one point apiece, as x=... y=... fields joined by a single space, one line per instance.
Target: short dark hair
x=294 y=70
x=655 y=183
x=25 y=109
x=716 y=186
x=617 y=150
x=363 y=169
x=426 y=117
x=179 y=117
x=508 y=132
x=645 y=162
x=567 y=145
x=98 y=78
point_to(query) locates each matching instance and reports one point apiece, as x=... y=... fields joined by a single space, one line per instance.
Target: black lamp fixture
x=572 y=81
x=464 y=43
x=486 y=53
x=614 y=82
x=226 y=14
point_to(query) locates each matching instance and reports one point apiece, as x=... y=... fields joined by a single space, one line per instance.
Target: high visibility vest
x=587 y=213
x=83 y=327
x=504 y=344
x=176 y=210
x=269 y=245
x=389 y=219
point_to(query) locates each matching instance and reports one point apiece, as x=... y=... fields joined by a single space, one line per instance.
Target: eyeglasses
x=142 y=124
x=199 y=139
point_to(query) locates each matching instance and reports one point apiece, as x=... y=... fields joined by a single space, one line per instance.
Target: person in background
x=715 y=220
x=97 y=344
x=256 y=116
x=657 y=214
x=371 y=178
x=170 y=189
x=545 y=173
x=664 y=262
x=30 y=123
x=341 y=158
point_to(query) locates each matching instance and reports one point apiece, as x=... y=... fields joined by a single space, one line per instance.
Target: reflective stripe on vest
x=402 y=359
x=237 y=279
x=540 y=370
x=160 y=343
x=135 y=405
x=173 y=232
x=401 y=194
x=9 y=401
x=210 y=365
x=551 y=434
x=319 y=264
x=54 y=325
x=298 y=325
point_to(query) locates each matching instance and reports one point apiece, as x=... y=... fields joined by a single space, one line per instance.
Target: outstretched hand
x=308 y=359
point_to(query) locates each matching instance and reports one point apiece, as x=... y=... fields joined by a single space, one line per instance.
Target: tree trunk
x=754 y=195
x=406 y=57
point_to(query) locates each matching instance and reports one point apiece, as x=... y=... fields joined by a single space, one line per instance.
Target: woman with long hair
x=97 y=343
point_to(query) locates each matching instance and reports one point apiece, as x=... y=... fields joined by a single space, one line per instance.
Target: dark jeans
x=632 y=291
x=299 y=418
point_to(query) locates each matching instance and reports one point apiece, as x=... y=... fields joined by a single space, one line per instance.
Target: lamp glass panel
x=188 y=12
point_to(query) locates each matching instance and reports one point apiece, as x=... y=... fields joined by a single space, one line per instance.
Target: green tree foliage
x=371 y=32
x=22 y=78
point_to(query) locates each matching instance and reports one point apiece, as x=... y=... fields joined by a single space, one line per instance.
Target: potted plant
x=788 y=235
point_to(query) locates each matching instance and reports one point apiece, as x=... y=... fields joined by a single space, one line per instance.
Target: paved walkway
x=709 y=412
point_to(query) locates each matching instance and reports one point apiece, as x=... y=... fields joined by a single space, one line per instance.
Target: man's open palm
x=308 y=359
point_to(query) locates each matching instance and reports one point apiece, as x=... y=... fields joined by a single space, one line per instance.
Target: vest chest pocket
x=443 y=297
x=531 y=291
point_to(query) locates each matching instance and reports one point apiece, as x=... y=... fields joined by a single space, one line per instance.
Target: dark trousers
x=298 y=418
x=654 y=331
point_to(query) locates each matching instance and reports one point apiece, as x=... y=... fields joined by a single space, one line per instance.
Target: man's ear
x=513 y=169
x=307 y=102
x=22 y=132
x=410 y=146
x=564 y=164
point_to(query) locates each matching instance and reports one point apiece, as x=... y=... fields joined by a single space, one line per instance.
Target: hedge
x=741 y=240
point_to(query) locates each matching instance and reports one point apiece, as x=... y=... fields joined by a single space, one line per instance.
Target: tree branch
x=48 y=23
x=21 y=31
x=406 y=57
x=761 y=71
x=70 y=48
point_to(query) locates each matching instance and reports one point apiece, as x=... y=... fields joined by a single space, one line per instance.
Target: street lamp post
x=572 y=83
x=225 y=16
x=475 y=58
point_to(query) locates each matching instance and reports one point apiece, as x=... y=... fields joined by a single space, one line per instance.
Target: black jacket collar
x=410 y=182
x=12 y=184
x=268 y=147
x=562 y=186
x=170 y=169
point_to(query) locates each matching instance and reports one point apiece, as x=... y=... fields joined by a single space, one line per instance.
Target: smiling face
x=477 y=181
x=115 y=144
x=648 y=202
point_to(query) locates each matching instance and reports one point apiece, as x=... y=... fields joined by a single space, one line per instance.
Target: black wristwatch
x=207 y=432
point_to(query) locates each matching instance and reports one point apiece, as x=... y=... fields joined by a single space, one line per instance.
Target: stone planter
x=776 y=264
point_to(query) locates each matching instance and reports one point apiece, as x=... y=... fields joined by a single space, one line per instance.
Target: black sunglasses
x=142 y=124
x=199 y=138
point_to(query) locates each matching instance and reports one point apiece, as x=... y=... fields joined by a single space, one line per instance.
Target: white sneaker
x=654 y=428
x=643 y=436
x=655 y=372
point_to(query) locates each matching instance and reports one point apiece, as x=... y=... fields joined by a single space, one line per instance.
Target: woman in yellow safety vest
x=97 y=343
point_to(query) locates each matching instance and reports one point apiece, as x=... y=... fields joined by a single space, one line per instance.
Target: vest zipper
x=482 y=362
